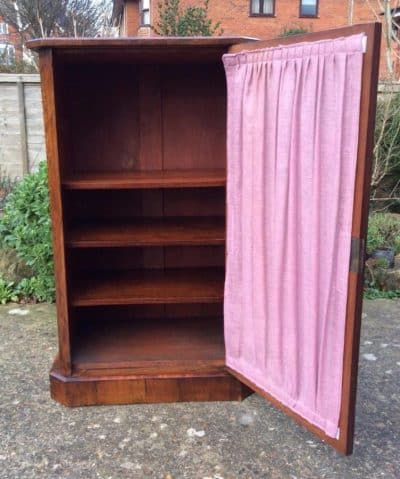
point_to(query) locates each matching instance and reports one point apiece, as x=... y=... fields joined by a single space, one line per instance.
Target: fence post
x=22 y=126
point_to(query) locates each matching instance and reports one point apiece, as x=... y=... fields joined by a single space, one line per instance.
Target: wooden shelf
x=179 y=286
x=150 y=346
x=183 y=231
x=109 y=180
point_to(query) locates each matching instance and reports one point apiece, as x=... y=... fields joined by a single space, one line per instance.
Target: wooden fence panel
x=22 y=144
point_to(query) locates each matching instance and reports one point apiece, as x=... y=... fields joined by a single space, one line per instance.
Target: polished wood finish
x=129 y=389
x=359 y=230
x=150 y=345
x=183 y=285
x=139 y=50
x=52 y=129
x=199 y=178
x=344 y=443
x=141 y=161
x=140 y=42
x=156 y=231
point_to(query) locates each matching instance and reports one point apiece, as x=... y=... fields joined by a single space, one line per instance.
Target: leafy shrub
x=294 y=30
x=7 y=292
x=386 y=168
x=191 y=21
x=6 y=186
x=25 y=226
x=374 y=293
x=383 y=232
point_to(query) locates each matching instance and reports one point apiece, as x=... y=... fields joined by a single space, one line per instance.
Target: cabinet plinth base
x=108 y=390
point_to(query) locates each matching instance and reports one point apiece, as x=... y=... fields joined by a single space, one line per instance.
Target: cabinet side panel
x=56 y=207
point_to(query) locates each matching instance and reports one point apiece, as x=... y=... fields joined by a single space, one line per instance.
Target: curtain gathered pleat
x=293 y=118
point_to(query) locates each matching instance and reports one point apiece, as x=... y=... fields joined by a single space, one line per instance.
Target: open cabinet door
x=301 y=114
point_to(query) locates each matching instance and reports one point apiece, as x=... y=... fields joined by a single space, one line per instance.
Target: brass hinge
x=356 y=254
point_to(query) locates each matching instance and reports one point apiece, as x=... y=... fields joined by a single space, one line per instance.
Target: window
x=262 y=7
x=145 y=12
x=3 y=28
x=7 y=53
x=308 y=8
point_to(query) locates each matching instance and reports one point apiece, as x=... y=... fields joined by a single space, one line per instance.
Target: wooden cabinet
x=136 y=143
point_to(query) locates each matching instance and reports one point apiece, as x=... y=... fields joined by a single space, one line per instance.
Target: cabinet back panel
x=194 y=116
x=101 y=125
x=194 y=202
x=194 y=256
x=126 y=204
x=144 y=117
x=111 y=205
x=118 y=259
x=138 y=311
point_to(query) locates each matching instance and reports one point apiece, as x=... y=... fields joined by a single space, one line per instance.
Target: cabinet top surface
x=137 y=42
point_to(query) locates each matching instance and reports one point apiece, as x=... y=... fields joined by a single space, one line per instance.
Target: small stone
x=246 y=419
x=364 y=315
x=191 y=432
x=384 y=345
x=117 y=420
x=153 y=435
x=18 y=312
x=93 y=426
x=163 y=426
x=368 y=342
x=128 y=465
x=370 y=357
x=389 y=371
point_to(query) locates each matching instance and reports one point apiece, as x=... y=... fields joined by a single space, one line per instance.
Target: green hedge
x=25 y=226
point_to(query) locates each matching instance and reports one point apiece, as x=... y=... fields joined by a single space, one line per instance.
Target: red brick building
x=256 y=18
x=10 y=43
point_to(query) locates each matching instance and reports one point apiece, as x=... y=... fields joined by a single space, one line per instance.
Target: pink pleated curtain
x=293 y=116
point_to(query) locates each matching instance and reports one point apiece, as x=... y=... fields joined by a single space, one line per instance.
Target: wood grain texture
x=100 y=115
x=148 y=232
x=118 y=43
x=150 y=118
x=194 y=117
x=359 y=230
x=19 y=114
x=150 y=344
x=47 y=72
x=109 y=389
x=200 y=178
x=203 y=285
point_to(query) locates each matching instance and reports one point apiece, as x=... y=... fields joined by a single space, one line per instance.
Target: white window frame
x=3 y=28
x=145 y=19
x=7 y=52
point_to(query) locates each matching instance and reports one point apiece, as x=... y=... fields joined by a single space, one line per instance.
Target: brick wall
x=13 y=38
x=235 y=18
